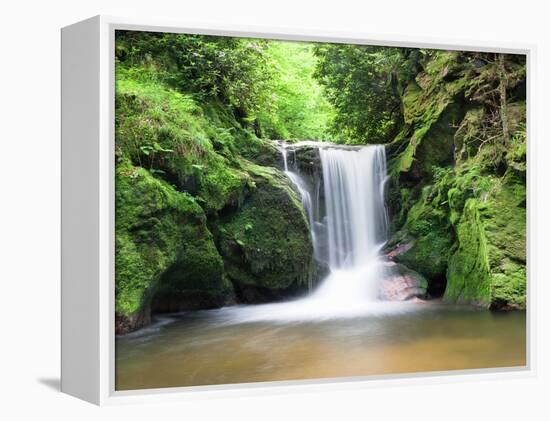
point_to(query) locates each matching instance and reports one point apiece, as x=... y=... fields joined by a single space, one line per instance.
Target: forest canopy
x=269 y=85
x=278 y=89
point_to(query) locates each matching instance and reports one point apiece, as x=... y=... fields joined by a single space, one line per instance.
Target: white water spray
x=356 y=223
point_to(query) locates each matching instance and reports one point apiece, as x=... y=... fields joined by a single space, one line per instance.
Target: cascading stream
x=355 y=211
x=353 y=227
x=356 y=221
x=305 y=195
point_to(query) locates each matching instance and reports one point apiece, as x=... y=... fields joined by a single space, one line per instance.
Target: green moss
x=458 y=192
x=431 y=144
x=404 y=161
x=432 y=107
x=221 y=185
x=411 y=99
x=267 y=243
x=468 y=277
x=166 y=132
x=158 y=228
x=489 y=266
x=440 y=66
x=466 y=137
x=429 y=232
x=505 y=229
x=516 y=155
x=196 y=279
x=437 y=145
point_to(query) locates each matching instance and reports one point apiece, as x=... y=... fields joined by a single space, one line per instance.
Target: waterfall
x=303 y=190
x=354 y=196
x=353 y=226
x=356 y=221
x=348 y=228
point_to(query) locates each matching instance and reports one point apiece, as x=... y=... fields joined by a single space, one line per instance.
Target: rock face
x=457 y=194
x=429 y=239
x=162 y=246
x=402 y=284
x=488 y=267
x=266 y=244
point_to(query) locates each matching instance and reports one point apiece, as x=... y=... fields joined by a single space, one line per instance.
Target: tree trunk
x=503 y=103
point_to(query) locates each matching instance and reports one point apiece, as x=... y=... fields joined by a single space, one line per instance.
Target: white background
x=29 y=207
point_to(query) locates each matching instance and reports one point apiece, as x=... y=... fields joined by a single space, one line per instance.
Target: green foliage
x=297 y=108
x=364 y=84
x=232 y=70
x=267 y=85
x=167 y=132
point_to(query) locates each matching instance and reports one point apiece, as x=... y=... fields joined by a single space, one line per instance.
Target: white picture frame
x=87 y=325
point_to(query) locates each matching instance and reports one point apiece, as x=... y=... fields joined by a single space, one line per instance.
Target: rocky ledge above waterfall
x=305 y=154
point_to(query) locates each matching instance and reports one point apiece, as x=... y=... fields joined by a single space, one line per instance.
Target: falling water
x=356 y=221
x=354 y=197
x=303 y=189
x=350 y=230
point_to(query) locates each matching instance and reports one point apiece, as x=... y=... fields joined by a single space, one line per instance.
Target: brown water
x=214 y=347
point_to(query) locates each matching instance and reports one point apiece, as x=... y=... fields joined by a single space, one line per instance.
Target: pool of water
x=232 y=345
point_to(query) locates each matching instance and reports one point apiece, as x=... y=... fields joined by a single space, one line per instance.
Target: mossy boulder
x=261 y=151
x=161 y=241
x=489 y=266
x=431 y=115
x=429 y=238
x=266 y=244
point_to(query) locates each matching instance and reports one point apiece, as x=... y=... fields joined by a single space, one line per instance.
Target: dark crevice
x=436 y=287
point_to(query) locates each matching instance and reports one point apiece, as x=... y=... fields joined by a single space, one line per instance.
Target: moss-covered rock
x=468 y=274
x=159 y=229
x=190 y=146
x=185 y=171
x=430 y=238
x=266 y=244
x=431 y=115
x=457 y=195
x=489 y=266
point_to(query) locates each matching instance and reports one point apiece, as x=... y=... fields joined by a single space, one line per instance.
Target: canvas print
x=301 y=210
